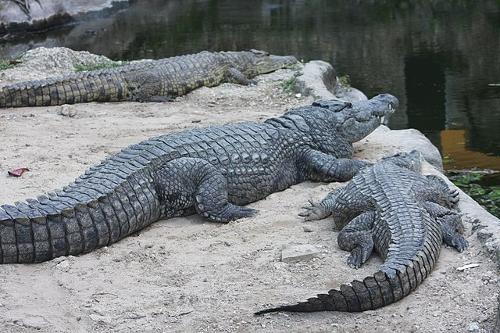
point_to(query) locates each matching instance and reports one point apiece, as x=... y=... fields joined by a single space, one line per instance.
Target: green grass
x=5 y=64
x=345 y=80
x=288 y=85
x=480 y=188
x=97 y=66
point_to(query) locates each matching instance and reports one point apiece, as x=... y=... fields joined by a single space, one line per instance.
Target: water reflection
x=438 y=57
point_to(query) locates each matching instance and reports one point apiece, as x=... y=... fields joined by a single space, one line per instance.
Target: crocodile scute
x=390 y=208
x=155 y=80
x=211 y=171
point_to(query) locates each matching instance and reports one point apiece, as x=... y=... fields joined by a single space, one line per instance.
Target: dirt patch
x=189 y=275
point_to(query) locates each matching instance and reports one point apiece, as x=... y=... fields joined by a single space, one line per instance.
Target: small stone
x=466 y=267
x=34 y=322
x=63 y=266
x=294 y=253
x=307 y=228
x=101 y=319
x=299 y=95
x=473 y=327
x=67 y=111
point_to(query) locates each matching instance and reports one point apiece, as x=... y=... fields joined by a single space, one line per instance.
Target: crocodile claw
x=313 y=212
x=459 y=243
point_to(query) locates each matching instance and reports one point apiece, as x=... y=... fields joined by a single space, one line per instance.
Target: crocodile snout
x=384 y=105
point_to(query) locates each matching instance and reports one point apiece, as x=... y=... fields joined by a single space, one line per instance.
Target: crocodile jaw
x=366 y=116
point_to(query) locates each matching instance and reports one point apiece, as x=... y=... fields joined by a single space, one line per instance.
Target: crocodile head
x=260 y=62
x=412 y=160
x=362 y=118
x=333 y=124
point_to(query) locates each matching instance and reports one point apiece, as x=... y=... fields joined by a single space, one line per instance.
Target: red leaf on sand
x=18 y=172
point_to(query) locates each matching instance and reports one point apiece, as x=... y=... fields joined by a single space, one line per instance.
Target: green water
x=438 y=57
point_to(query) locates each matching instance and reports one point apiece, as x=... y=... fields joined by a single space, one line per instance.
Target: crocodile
x=211 y=171
x=146 y=81
x=391 y=208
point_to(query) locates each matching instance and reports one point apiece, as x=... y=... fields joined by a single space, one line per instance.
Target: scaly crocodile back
x=106 y=85
x=142 y=81
x=405 y=235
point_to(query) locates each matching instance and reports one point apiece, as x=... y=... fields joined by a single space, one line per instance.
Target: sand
x=190 y=275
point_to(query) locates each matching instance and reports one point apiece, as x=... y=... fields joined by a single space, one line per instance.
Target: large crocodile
x=156 y=80
x=404 y=216
x=211 y=171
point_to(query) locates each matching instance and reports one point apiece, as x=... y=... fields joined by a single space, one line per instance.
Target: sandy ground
x=189 y=275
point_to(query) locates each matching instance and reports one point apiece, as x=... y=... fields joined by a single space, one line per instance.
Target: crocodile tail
x=40 y=230
x=387 y=286
x=78 y=219
x=373 y=292
x=96 y=86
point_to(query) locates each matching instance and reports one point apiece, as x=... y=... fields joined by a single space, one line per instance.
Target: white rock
x=473 y=327
x=307 y=228
x=67 y=111
x=294 y=253
x=319 y=80
x=35 y=322
x=101 y=319
x=391 y=142
x=465 y=267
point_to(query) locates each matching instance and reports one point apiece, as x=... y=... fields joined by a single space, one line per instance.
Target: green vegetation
x=296 y=67
x=482 y=187
x=288 y=86
x=447 y=160
x=96 y=66
x=345 y=80
x=5 y=64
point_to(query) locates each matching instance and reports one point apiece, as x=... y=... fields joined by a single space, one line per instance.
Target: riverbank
x=31 y=16
x=189 y=275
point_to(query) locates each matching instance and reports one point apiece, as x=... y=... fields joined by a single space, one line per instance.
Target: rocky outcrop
x=43 y=62
x=33 y=15
x=318 y=79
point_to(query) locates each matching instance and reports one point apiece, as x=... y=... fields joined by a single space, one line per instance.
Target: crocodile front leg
x=233 y=75
x=446 y=195
x=318 y=166
x=434 y=189
x=451 y=225
x=186 y=182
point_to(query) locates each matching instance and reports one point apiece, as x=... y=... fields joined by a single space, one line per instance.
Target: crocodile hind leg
x=186 y=182
x=451 y=225
x=357 y=238
x=436 y=190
